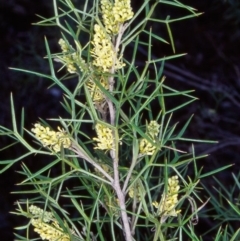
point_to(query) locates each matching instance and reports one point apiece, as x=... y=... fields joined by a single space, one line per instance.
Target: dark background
x=211 y=67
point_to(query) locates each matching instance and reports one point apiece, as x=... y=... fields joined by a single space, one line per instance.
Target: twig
x=195 y=209
x=85 y=157
x=134 y=161
x=114 y=151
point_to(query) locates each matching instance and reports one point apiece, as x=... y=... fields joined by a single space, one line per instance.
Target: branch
x=89 y=160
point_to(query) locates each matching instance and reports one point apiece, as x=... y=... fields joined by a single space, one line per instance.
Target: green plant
x=128 y=179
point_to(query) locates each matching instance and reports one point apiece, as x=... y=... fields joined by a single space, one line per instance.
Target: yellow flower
x=146 y=148
x=51 y=232
x=114 y=14
x=46 y=225
x=105 y=138
x=134 y=192
x=64 y=46
x=103 y=52
x=153 y=129
x=40 y=213
x=122 y=10
x=50 y=138
x=96 y=93
x=169 y=200
x=111 y=26
x=113 y=205
x=71 y=58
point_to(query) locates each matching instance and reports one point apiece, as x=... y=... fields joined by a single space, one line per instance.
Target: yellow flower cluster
x=103 y=52
x=40 y=213
x=105 y=138
x=46 y=226
x=111 y=25
x=153 y=129
x=145 y=147
x=70 y=57
x=112 y=203
x=122 y=10
x=96 y=94
x=115 y=14
x=105 y=57
x=135 y=191
x=50 y=138
x=51 y=232
x=132 y=192
x=169 y=200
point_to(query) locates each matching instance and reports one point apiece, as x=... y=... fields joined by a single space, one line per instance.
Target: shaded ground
x=212 y=68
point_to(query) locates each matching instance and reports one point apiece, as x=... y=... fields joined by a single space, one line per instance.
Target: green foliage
x=109 y=182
